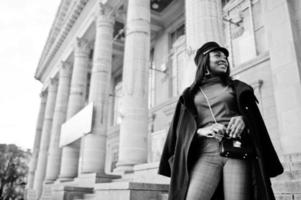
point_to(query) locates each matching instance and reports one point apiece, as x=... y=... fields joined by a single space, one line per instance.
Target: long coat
x=178 y=157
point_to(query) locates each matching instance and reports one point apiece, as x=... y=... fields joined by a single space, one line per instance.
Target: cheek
x=213 y=65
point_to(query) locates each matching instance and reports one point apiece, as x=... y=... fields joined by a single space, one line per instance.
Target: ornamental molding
x=65 y=19
x=70 y=11
x=66 y=65
x=43 y=95
x=82 y=45
x=65 y=69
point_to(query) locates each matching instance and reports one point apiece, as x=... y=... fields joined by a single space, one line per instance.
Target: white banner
x=77 y=126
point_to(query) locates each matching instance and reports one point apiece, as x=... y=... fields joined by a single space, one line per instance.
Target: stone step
x=288 y=175
x=89 y=197
x=164 y=196
x=288 y=196
x=31 y=194
x=291 y=165
x=287 y=187
x=294 y=157
x=296 y=165
x=131 y=191
x=47 y=192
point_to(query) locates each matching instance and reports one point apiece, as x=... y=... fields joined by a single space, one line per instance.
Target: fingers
x=219 y=129
x=204 y=131
x=235 y=127
x=237 y=132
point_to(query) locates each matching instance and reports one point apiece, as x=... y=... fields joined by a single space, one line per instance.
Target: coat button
x=247 y=108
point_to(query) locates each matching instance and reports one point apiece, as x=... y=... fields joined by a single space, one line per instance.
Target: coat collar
x=242 y=89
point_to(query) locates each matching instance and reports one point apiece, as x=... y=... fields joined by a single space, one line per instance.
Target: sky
x=24 y=28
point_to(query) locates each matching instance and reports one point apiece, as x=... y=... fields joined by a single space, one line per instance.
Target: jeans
x=211 y=167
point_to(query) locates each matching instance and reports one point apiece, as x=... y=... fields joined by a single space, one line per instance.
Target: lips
x=221 y=63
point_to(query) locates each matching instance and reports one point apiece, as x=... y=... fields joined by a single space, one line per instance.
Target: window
x=259 y=31
x=117 y=101
x=224 y=2
x=176 y=34
x=114 y=158
x=244 y=30
x=177 y=52
x=151 y=80
x=87 y=92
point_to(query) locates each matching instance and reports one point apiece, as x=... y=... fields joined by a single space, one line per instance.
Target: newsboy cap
x=208 y=47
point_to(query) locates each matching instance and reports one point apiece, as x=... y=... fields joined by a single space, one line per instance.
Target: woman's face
x=218 y=63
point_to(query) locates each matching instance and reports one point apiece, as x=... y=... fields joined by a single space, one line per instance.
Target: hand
x=218 y=129
x=212 y=131
x=235 y=127
x=206 y=131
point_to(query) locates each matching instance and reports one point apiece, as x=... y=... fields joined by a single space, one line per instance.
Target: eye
x=220 y=55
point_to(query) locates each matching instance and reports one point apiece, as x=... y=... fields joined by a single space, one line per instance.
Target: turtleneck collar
x=212 y=79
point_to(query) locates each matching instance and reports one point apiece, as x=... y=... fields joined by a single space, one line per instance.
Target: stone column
x=284 y=51
x=45 y=138
x=70 y=153
x=94 y=144
x=134 y=109
x=59 y=117
x=203 y=22
x=37 y=140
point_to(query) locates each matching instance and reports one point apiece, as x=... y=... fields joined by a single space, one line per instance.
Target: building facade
x=112 y=71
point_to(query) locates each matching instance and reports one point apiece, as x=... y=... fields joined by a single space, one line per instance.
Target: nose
x=224 y=60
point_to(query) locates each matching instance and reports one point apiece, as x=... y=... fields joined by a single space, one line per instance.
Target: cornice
x=57 y=24
x=68 y=13
x=65 y=19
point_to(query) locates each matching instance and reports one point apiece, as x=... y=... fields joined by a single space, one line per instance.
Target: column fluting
x=59 y=117
x=45 y=138
x=134 y=109
x=37 y=140
x=95 y=143
x=70 y=153
x=203 y=19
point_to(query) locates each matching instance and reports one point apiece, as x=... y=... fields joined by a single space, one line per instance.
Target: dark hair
x=203 y=62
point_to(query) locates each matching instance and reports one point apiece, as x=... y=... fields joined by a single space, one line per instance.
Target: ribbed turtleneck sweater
x=222 y=101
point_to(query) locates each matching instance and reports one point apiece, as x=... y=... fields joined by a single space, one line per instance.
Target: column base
x=46 y=192
x=50 y=181
x=31 y=194
x=124 y=168
x=63 y=192
x=130 y=191
x=90 y=179
x=63 y=179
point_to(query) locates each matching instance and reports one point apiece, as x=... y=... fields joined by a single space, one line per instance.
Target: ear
x=207 y=72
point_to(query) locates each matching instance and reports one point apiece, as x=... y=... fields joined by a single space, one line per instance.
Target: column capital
x=104 y=9
x=105 y=14
x=65 y=65
x=53 y=81
x=65 y=68
x=43 y=94
x=52 y=85
x=82 y=46
x=134 y=126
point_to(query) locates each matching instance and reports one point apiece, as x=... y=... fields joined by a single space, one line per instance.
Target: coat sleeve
x=269 y=156
x=170 y=143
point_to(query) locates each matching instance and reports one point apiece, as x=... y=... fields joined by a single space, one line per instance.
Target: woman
x=213 y=107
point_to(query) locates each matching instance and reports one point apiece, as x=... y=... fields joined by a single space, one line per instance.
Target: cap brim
x=224 y=50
